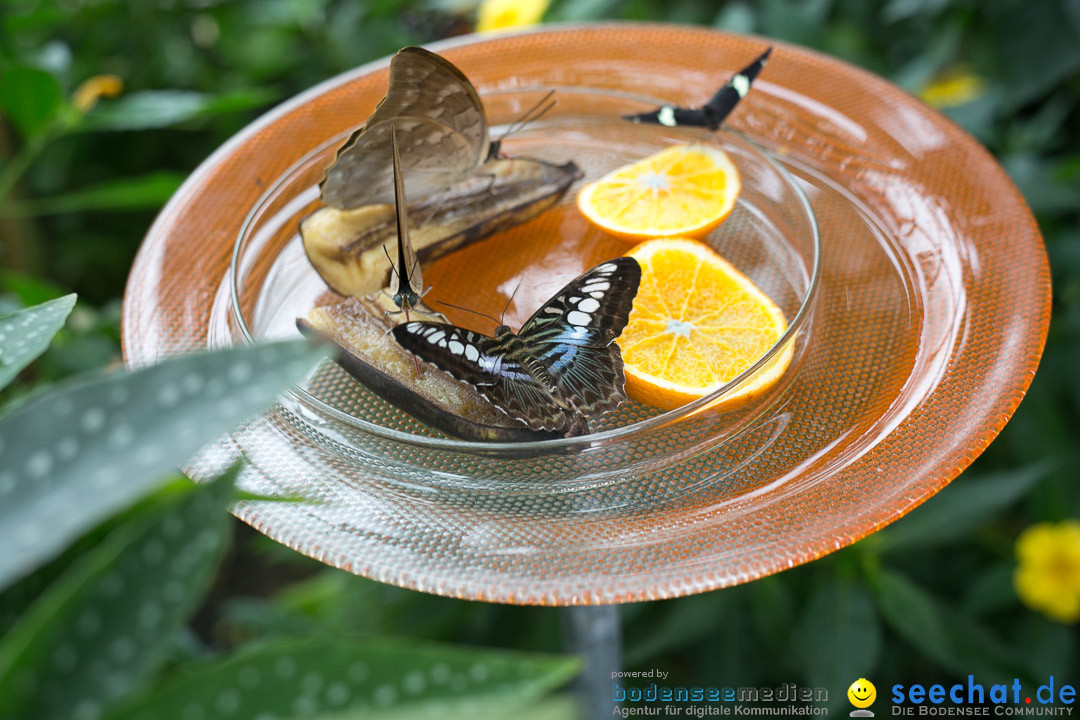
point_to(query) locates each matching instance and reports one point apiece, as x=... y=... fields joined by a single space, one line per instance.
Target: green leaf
x=978 y=652
x=897 y=10
x=376 y=679
x=102 y=629
x=161 y=108
x=736 y=17
x=1036 y=50
x=17 y=598
x=914 y=615
x=958 y=509
x=772 y=608
x=557 y=707
x=979 y=116
x=148 y=192
x=1043 y=182
x=72 y=457
x=581 y=10
x=1043 y=646
x=30 y=98
x=839 y=636
x=26 y=334
x=800 y=22
x=948 y=637
x=1039 y=131
x=990 y=589
x=938 y=52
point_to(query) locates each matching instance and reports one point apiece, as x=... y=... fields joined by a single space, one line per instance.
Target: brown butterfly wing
x=441 y=131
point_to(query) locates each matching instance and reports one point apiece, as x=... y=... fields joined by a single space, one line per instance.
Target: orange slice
x=684 y=190
x=696 y=324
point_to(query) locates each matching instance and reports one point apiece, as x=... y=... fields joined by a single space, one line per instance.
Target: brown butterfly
x=441 y=129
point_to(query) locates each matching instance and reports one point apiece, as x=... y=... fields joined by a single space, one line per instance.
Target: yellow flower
x=952 y=88
x=87 y=94
x=1048 y=576
x=504 y=14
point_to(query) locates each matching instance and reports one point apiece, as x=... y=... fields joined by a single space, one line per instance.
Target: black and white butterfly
x=561 y=368
x=712 y=113
x=441 y=128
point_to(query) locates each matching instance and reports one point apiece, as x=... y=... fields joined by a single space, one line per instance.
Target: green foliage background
x=928 y=599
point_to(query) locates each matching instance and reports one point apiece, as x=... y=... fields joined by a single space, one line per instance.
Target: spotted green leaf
x=374 y=679
x=72 y=457
x=25 y=334
x=102 y=628
x=557 y=707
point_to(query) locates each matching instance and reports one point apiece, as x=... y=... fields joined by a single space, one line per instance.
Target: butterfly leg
x=404 y=310
x=436 y=313
x=388 y=313
x=580 y=426
x=430 y=216
x=492 y=179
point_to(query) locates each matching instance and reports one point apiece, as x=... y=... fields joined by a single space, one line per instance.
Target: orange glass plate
x=931 y=313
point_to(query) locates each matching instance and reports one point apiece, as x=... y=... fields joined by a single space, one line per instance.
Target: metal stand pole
x=593 y=633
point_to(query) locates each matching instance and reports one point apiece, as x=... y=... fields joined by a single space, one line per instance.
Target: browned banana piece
x=359 y=328
x=346 y=247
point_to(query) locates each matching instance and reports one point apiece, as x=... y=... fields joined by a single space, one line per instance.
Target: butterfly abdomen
x=535 y=367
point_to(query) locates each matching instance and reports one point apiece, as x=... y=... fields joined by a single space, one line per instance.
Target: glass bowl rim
x=554 y=445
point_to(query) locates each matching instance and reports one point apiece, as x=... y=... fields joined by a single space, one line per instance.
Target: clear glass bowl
x=917 y=341
x=771 y=236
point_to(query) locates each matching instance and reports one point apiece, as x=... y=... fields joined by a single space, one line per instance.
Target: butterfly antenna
x=531 y=115
x=474 y=312
x=387 y=254
x=510 y=300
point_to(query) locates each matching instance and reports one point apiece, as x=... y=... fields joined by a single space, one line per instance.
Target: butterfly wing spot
x=666 y=116
x=589 y=305
x=741 y=83
x=595 y=288
x=456 y=347
x=435 y=336
x=607 y=268
x=471 y=353
x=575 y=317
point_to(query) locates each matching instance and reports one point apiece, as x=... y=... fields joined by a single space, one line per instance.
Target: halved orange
x=683 y=190
x=696 y=324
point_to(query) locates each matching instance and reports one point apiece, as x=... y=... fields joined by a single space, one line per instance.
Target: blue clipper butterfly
x=562 y=367
x=712 y=113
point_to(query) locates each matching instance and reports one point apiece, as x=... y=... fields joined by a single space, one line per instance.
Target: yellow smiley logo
x=862 y=693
